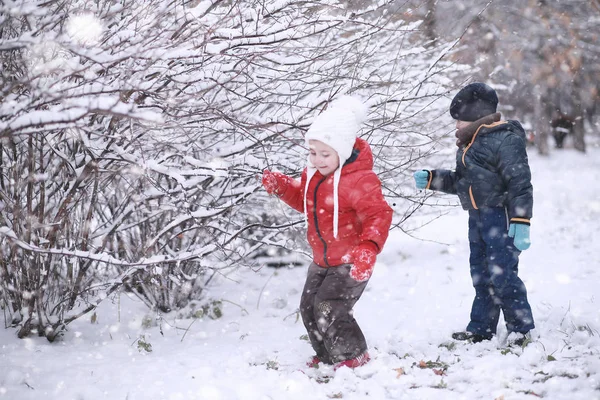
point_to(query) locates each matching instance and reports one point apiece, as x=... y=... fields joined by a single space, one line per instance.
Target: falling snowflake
x=85 y=29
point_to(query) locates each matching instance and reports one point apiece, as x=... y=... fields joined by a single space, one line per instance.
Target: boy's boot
x=470 y=336
x=519 y=339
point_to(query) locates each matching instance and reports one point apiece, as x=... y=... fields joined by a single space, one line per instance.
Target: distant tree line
x=542 y=57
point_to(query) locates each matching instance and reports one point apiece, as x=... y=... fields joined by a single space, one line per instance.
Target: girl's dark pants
x=494 y=270
x=326 y=308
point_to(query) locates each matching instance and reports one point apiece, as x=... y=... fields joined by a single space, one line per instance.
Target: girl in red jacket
x=348 y=221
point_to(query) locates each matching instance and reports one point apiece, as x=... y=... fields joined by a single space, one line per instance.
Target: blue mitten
x=520 y=233
x=421 y=179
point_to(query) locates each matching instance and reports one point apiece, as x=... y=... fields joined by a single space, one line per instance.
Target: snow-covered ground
x=419 y=294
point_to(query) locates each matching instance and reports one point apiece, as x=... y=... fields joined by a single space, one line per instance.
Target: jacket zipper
x=472 y=198
x=475 y=135
x=317 y=222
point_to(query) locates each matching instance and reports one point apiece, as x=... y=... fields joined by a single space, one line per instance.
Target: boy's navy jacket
x=492 y=170
x=364 y=215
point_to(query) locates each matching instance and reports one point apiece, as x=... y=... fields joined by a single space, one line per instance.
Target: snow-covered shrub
x=133 y=134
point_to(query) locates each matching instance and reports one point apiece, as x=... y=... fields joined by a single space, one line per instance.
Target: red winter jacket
x=364 y=215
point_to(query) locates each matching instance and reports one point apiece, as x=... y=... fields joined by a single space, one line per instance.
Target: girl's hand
x=275 y=182
x=363 y=260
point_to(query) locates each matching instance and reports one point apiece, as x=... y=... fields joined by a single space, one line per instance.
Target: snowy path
x=419 y=294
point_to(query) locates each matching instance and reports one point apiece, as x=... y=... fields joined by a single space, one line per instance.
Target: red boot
x=353 y=362
x=314 y=362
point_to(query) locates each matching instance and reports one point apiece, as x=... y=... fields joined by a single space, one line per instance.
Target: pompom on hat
x=337 y=127
x=473 y=102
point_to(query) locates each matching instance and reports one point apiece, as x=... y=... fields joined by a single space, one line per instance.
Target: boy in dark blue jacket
x=493 y=182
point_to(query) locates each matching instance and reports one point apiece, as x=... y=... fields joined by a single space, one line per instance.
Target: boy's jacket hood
x=489 y=123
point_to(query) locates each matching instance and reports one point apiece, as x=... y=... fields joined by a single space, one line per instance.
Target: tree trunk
x=429 y=22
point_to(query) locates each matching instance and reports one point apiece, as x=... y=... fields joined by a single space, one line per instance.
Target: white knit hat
x=338 y=128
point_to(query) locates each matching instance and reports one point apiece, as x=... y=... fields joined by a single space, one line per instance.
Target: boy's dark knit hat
x=473 y=102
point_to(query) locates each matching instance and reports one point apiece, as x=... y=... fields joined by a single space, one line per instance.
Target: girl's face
x=323 y=157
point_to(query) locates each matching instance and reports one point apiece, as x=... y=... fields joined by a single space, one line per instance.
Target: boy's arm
x=513 y=166
x=372 y=209
x=442 y=180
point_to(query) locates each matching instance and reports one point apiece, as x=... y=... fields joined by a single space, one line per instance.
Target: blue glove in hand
x=520 y=233
x=421 y=179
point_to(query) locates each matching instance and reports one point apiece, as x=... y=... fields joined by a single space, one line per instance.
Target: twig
x=263 y=288
x=188 y=328
x=565 y=316
x=296 y=312
x=235 y=304
x=420 y=84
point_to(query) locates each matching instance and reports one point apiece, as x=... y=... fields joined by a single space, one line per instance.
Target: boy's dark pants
x=326 y=308
x=494 y=267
